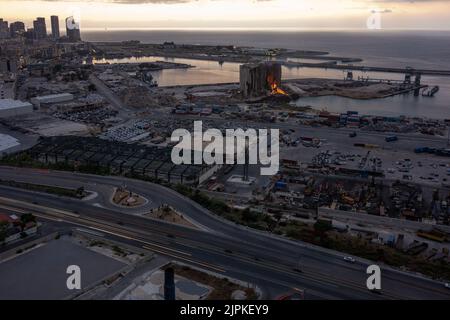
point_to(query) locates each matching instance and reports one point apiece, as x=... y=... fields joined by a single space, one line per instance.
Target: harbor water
x=390 y=49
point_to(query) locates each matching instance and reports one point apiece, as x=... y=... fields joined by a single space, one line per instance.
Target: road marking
x=269 y=266
x=206 y=265
x=46 y=209
x=99 y=234
x=165 y=248
x=56 y=212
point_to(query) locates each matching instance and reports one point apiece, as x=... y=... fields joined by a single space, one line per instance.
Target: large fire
x=274 y=87
x=277 y=90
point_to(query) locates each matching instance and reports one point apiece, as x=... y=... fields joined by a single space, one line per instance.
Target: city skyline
x=239 y=14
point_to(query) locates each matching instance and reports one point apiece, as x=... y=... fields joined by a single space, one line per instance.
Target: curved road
x=235 y=250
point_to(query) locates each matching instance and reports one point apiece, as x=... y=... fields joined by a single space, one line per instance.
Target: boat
x=430 y=91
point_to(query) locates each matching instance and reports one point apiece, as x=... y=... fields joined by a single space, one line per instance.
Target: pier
x=333 y=65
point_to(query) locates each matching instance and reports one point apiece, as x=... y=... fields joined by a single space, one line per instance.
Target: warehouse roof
x=54 y=96
x=12 y=104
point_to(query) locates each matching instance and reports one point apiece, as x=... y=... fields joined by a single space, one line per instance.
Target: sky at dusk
x=245 y=14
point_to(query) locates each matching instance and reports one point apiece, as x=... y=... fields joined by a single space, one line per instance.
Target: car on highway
x=447 y=285
x=349 y=259
x=376 y=291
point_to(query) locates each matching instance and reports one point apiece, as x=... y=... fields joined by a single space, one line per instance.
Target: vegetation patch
x=72 y=193
x=222 y=287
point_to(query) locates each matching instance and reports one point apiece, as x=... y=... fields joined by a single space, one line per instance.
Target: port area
x=224 y=53
x=363 y=89
x=380 y=181
x=354 y=89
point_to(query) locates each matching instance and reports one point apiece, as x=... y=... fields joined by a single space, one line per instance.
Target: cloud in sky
x=237 y=13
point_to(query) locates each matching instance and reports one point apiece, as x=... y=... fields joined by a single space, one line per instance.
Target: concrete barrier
x=368 y=218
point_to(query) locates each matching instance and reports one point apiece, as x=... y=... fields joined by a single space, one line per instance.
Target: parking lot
x=396 y=162
x=41 y=273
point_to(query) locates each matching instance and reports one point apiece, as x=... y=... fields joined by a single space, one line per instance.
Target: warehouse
x=7 y=88
x=119 y=158
x=7 y=142
x=14 y=108
x=53 y=98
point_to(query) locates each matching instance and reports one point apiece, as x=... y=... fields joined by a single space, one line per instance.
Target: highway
x=221 y=246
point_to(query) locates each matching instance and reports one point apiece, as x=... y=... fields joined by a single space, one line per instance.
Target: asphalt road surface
x=235 y=251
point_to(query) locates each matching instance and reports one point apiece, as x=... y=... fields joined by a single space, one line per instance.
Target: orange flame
x=274 y=86
x=277 y=90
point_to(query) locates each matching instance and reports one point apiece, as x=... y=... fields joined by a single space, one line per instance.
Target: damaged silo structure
x=259 y=79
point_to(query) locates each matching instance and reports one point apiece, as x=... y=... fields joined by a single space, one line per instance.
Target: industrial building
x=7 y=88
x=53 y=98
x=119 y=158
x=13 y=108
x=8 y=65
x=259 y=79
x=7 y=142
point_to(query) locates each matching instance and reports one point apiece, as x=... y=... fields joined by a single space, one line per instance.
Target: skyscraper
x=17 y=28
x=29 y=34
x=55 y=27
x=4 y=29
x=40 y=28
x=73 y=30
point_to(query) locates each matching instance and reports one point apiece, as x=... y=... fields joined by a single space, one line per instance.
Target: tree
x=249 y=216
x=25 y=219
x=3 y=227
x=278 y=215
x=80 y=191
x=321 y=227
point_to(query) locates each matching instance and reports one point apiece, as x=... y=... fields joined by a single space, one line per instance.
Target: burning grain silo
x=260 y=79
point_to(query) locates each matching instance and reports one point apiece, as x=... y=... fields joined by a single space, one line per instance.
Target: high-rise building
x=17 y=28
x=73 y=30
x=55 y=27
x=4 y=29
x=29 y=34
x=40 y=28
